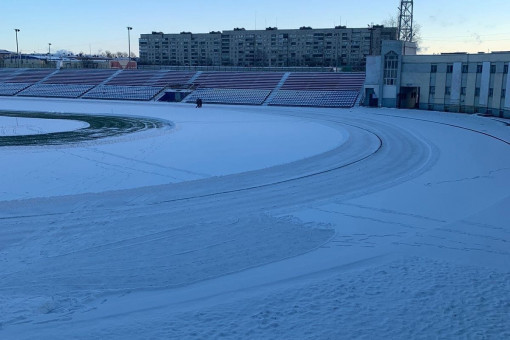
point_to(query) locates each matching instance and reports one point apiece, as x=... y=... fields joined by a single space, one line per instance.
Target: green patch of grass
x=100 y=126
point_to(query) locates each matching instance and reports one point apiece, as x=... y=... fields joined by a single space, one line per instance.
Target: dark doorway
x=370 y=98
x=409 y=98
x=174 y=96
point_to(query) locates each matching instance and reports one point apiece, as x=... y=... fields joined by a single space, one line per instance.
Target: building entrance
x=370 y=98
x=409 y=97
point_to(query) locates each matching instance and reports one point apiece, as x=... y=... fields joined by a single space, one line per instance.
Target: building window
x=432 y=90
x=463 y=90
x=433 y=68
x=465 y=68
x=505 y=69
x=493 y=68
x=477 y=92
x=447 y=90
x=491 y=92
x=449 y=68
x=390 y=68
x=503 y=93
x=479 y=68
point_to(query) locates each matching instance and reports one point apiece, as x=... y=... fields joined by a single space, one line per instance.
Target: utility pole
x=405 y=21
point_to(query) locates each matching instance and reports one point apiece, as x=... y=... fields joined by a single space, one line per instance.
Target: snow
x=230 y=141
x=12 y=126
x=257 y=223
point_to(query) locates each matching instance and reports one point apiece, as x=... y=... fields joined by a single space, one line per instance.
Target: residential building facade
x=338 y=47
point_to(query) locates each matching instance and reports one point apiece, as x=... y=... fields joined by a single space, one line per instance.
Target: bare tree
x=392 y=21
x=63 y=53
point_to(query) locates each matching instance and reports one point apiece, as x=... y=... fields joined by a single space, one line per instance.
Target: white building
x=456 y=82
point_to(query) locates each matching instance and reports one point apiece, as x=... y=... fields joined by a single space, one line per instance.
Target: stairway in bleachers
x=275 y=90
x=22 y=79
x=66 y=83
x=194 y=78
x=47 y=77
x=102 y=83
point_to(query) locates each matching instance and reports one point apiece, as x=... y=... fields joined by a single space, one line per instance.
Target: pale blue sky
x=99 y=25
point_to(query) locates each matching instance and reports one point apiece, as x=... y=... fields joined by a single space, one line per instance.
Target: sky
x=95 y=26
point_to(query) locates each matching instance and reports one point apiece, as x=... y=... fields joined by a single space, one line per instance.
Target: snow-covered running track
x=333 y=245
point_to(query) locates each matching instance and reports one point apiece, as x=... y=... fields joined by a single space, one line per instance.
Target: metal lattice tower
x=405 y=20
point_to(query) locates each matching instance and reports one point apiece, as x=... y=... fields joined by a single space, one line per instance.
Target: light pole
x=17 y=48
x=49 y=51
x=129 y=42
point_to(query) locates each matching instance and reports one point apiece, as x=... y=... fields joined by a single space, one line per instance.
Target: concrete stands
x=316 y=81
x=13 y=81
x=81 y=77
x=229 y=96
x=55 y=90
x=119 y=92
x=52 y=83
x=10 y=89
x=315 y=98
x=139 y=85
x=239 y=80
x=319 y=89
x=174 y=79
x=248 y=88
x=29 y=76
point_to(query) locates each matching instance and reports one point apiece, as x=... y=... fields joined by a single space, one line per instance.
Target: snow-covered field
x=12 y=126
x=256 y=223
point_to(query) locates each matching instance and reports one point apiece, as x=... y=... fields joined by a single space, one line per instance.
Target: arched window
x=390 y=68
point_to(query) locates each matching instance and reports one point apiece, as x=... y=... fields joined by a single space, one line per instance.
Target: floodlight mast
x=405 y=21
x=17 y=47
x=129 y=28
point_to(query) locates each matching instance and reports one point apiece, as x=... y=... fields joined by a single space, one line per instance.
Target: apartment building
x=339 y=47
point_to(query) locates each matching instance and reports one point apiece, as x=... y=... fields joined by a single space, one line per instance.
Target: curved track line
x=446 y=124
x=100 y=126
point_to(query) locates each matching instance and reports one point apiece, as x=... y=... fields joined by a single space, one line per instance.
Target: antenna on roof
x=405 y=20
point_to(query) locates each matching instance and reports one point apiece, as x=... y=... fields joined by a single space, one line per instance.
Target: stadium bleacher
x=6 y=73
x=55 y=90
x=118 y=92
x=80 y=77
x=160 y=78
x=315 y=81
x=315 y=98
x=135 y=78
x=14 y=81
x=248 y=88
x=10 y=89
x=174 y=78
x=239 y=80
x=138 y=85
x=319 y=89
x=229 y=96
x=29 y=76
